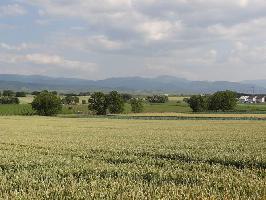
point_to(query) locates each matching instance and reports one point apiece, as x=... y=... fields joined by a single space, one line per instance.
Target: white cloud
x=90 y=43
x=249 y=54
x=12 y=10
x=159 y=30
x=20 y=47
x=105 y=43
x=246 y=29
x=43 y=59
x=243 y=3
x=47 y=59
x=50 y=60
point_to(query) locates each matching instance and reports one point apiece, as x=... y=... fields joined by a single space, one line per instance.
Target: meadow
x=174 y=105
x=171 y=108
x=225 y=116
x=63 y=158
x=14 y=109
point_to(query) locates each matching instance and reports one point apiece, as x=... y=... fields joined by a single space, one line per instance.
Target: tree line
x=99 y=103
x=49 y=104
x=219 y=101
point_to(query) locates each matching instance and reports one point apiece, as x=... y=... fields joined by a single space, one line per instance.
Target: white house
x=252 y=99
x=261 y=99
x=243 y=99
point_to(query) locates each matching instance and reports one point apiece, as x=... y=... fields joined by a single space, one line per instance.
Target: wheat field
x=61 y=158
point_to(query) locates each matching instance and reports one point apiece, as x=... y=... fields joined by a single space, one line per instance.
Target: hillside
x=259 y=83
x=164 y=84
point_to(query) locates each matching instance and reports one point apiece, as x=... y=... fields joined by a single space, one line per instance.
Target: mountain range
x=161 y=84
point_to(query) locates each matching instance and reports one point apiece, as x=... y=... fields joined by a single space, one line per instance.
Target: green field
x=170 y=106
x=175 y=105
x=251 y=107
x=13 y=109
x=61 y=158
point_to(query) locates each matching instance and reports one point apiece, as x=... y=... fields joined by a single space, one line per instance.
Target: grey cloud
x=194 y=38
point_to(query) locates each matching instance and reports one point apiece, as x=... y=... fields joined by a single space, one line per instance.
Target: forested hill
x=167 y=84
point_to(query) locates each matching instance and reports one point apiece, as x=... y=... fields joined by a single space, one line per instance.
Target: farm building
x=243 y=99
x=252 y=99
x=260 y=99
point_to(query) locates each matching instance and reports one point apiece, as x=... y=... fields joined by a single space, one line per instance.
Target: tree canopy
x=47 y=104
x=115 y=102
x=21 y=94
x=197 y=103
x=136 y=105
x=98 y=103
x=222 y=100
x=8 y=93
x=9 y=100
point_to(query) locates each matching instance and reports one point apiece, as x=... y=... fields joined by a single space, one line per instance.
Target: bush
x=126 y=97
x=47 y=104
x=76 y=100
x=84 y=101
x=9 y=100
x=71 y=94
x=157 y=99
x=55 y=92
x=8 y=93
x=186 y=100
x=197 y=103
x=71 y=100
x=35 y=93
x=98 y=103
x=136 y=105
x=21 y=94
x=115 y=103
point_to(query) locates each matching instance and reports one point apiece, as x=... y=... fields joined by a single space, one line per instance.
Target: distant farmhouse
x=243 y=99
x=252 y=99
x=261 y=99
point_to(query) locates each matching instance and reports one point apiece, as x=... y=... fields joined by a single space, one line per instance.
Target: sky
x=97 y=39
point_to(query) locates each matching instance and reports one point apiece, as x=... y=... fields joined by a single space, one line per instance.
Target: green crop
x=14 y=109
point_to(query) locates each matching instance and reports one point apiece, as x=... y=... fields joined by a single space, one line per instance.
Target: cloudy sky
x=95 y=39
